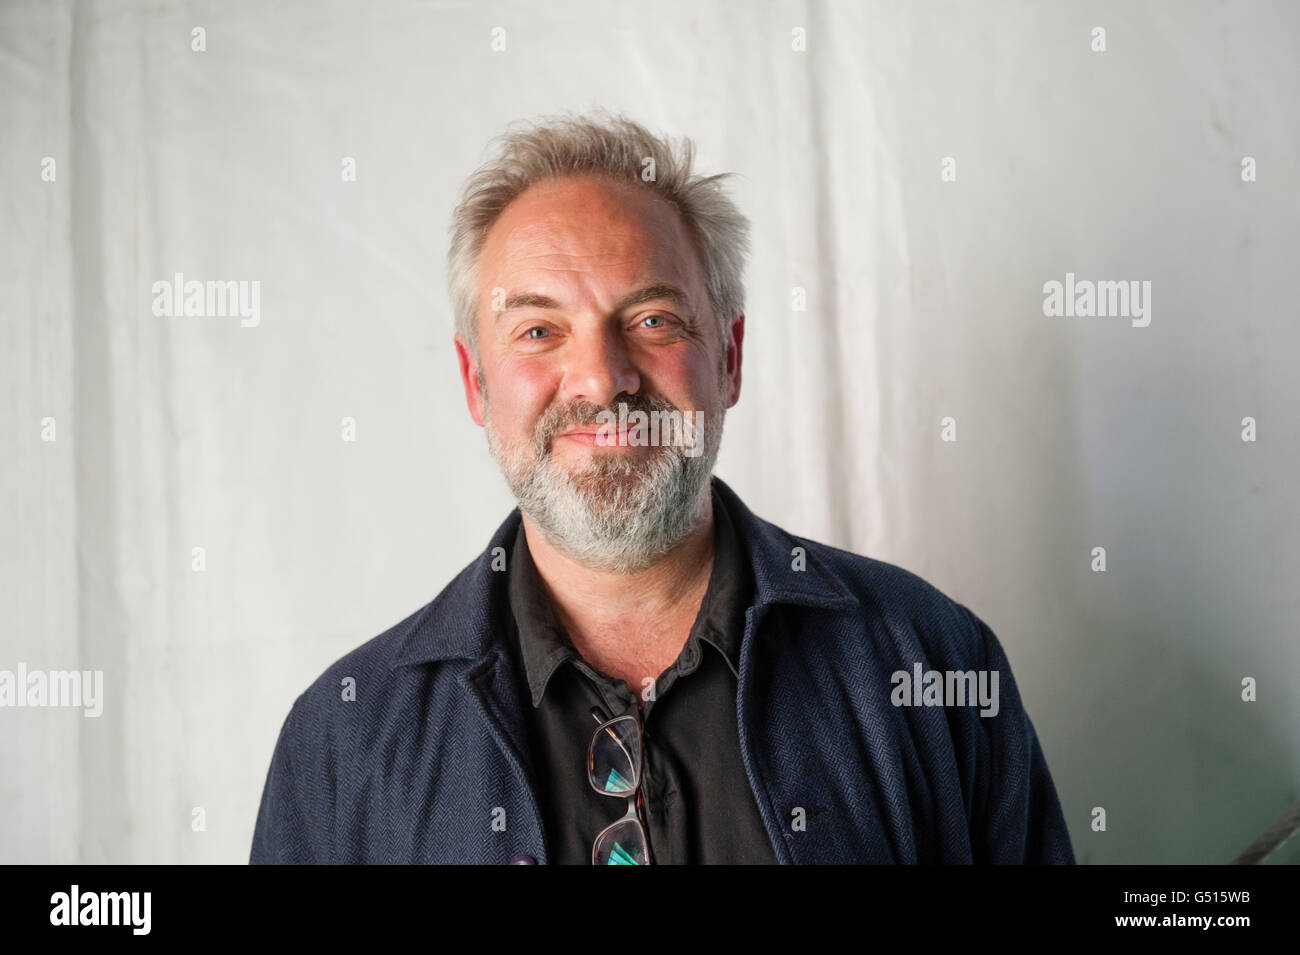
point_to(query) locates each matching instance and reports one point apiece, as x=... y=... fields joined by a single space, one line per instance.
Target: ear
x=469 y=376
x=735 y=340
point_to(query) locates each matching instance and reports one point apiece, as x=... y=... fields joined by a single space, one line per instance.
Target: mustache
x=582 y=413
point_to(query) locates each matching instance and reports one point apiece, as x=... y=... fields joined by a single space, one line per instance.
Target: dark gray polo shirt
x=698 y=801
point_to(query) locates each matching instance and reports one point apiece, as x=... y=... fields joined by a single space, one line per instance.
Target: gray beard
x=614 y=514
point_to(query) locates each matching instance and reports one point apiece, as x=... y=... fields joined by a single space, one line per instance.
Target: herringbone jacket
x=429 y=762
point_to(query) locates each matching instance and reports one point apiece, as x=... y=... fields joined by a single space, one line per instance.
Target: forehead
x=588 y=231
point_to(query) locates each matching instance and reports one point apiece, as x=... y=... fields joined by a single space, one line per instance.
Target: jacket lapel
x=491 y=684
x=466 y=624
x=790 y=584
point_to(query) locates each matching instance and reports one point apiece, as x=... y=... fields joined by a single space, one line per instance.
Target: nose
x=598 y=367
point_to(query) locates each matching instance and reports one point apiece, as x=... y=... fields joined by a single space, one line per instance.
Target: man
x=632 y=630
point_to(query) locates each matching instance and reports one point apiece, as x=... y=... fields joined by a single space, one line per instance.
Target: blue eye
x=650 y=318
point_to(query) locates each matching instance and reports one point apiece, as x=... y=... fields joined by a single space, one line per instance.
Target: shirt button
x=523 y=860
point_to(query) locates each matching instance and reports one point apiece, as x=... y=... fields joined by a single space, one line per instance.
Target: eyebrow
x=651 y=293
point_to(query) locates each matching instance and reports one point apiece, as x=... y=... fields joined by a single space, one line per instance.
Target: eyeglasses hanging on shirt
x=614 y=769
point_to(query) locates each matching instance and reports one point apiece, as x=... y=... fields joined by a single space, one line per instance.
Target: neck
x=629 y=625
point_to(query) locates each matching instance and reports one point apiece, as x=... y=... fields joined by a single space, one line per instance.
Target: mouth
x=603 y=438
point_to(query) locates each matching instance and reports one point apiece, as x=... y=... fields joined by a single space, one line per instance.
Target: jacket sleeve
x=1018 y=818
x=282 y=835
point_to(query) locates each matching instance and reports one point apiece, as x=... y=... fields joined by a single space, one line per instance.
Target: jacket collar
x=465 y=620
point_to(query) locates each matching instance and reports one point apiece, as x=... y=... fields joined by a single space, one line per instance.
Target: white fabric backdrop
x=924 y=301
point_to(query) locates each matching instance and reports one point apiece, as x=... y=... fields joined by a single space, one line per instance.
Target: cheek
x=688 y=379
x=519 y=393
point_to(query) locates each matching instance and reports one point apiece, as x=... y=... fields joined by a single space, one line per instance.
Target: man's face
x=591 y=295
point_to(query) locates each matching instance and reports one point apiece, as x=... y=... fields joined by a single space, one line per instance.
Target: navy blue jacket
x=429 y=762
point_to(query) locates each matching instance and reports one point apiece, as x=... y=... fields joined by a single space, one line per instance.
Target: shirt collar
x=545 y=645
x=467 y=619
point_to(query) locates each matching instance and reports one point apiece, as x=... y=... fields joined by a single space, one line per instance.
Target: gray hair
x=600 y=146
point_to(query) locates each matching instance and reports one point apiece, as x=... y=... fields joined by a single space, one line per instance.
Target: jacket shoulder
x=374 y=658
x=355 y=690
x=904 y=601
x=435 y=631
